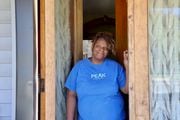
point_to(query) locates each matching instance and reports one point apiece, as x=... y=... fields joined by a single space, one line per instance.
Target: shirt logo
x=98 y=76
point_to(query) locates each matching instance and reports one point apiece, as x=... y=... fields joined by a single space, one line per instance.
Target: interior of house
x=109 y=16
x=97 y=17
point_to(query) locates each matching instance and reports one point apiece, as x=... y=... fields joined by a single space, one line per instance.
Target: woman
x=94 y=84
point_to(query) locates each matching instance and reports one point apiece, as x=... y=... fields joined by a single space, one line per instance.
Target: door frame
x=138 y=57
x=47 y=59
x=138 y=60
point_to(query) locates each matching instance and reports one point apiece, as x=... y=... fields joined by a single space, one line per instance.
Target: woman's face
x=100 y=50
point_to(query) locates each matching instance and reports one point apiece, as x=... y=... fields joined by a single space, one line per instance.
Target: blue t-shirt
x=97 y=87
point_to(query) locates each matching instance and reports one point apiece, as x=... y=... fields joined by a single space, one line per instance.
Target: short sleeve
x=72 y=78
x=121 y=77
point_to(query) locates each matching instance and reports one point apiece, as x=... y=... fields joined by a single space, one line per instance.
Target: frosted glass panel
x=164 y=59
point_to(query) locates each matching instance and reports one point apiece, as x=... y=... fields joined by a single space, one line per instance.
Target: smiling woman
x=97 y=81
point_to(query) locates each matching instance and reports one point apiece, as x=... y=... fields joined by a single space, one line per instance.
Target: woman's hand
x=126 y=63
x=126 y=59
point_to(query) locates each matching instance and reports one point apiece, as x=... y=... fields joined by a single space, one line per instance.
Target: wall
x=7 y=60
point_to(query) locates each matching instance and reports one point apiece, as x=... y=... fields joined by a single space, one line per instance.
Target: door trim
x=50 y=60
x=47 y=37
x=13 y=29
x=78 y=30
x=138 y=60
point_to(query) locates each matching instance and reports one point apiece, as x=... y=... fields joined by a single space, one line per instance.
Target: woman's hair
x=108 y=37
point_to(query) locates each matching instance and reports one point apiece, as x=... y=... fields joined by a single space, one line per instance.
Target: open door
x=121 y=28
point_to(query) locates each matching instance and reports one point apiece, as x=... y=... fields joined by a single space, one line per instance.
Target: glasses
x=99 y=47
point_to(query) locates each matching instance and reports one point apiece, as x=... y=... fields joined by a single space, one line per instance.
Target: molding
x=13 y=29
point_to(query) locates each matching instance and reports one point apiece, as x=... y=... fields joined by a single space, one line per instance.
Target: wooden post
x=138 y=58
x=78 y=30
x=42 y=56
x=50 y=60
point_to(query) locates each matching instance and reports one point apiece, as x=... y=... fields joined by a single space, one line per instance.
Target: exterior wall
x=7 y=60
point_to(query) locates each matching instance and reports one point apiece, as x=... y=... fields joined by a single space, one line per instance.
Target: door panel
x=121 y=28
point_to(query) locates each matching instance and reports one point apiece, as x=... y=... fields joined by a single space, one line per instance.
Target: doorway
x=111 y=16
x=137 y=42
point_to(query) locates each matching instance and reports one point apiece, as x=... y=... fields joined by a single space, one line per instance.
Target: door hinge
x=41 y=85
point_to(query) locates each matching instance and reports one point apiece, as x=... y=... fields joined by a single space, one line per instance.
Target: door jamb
x=78 y=30
x=47 y=57
x=138 y=60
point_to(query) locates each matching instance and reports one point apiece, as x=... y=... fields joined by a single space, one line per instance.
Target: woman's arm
x=126 y=65
x=71 y=105
x=125 y=89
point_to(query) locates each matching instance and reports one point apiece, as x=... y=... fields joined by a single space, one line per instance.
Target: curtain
x=63 y=54
x=164 y=59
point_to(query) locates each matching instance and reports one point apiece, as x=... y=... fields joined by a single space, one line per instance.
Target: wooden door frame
x=47 y=58
x=138 y=58
x=78 y=29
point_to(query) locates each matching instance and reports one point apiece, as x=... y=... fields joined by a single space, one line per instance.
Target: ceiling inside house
x=100 y=7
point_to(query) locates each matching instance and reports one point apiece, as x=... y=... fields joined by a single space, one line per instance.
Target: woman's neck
x=96 y=61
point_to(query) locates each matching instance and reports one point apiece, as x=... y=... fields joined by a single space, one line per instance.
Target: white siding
x=5 y=57
x=5 y=43
x=5 y=83
x=5 y=5
x=7 y=60
x=5 y=30
x=5 y=110
x=6 y=96
x=5 y=16
x=5 y=118
x=5 y=70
